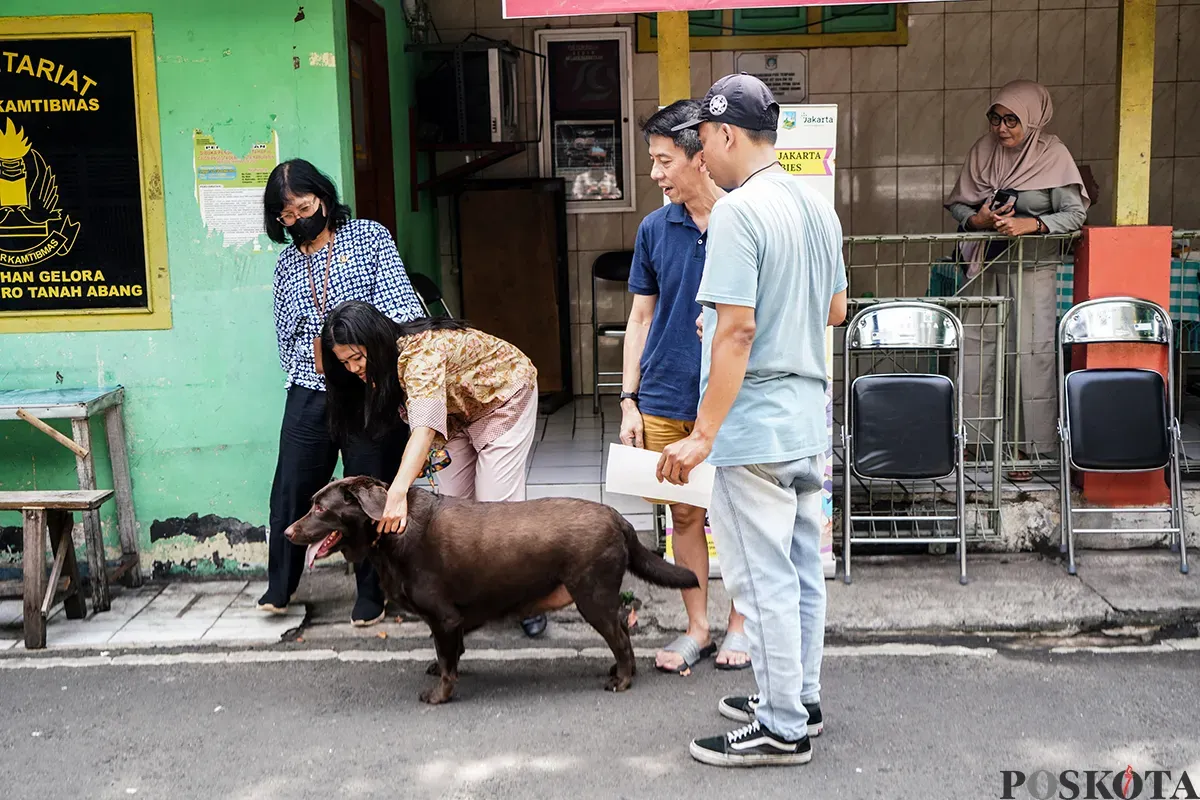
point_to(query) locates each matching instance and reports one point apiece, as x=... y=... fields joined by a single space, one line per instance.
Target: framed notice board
x=83 y=243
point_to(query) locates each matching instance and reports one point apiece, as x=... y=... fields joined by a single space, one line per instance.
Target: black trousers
x=307 y=458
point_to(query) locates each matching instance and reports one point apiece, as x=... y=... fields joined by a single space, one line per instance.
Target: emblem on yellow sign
x=32 y=226
x=813 y=161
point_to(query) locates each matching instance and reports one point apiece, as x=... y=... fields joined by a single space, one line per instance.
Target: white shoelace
x=743 y=732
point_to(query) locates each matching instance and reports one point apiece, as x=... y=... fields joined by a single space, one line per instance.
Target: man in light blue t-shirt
x=773 y=280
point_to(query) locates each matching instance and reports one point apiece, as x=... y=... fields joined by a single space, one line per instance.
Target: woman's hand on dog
x=395 y=513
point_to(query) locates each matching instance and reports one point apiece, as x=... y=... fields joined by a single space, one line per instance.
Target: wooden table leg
x=33 y=560
x=60 y=537
x=97 y=568
x=118 y=453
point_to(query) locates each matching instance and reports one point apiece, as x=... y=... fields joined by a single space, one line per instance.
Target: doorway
x=371 y=114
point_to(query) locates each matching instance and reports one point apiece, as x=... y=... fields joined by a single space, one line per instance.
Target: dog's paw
x=618 y=683
x=613 y=670
x=435 y=696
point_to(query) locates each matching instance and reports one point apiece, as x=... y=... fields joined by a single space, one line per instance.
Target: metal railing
x=1185 y=313
x=1009 y=310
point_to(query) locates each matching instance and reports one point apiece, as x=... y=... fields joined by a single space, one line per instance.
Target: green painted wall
x=204 y=398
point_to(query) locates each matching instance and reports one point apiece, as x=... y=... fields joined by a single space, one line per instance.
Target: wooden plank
x=127 y=565
x=118 y=452
x=60 y=524
x=66 y=500
x=53 y=434
x=33 y=560
x=16 y=588
x=85 y=469
x=60 y=558
x=58 y=403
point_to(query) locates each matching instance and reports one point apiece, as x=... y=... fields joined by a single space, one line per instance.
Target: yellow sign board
x=813 y=161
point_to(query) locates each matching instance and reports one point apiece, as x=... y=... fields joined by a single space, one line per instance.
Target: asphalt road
x=942 y=726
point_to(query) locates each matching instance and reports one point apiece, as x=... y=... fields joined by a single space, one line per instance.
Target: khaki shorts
x=658 y=432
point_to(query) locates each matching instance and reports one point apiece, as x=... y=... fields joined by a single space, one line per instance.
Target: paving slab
x=1141 y=582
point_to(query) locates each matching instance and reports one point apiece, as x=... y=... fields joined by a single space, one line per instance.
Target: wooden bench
x=81 y=407
x=52 y=511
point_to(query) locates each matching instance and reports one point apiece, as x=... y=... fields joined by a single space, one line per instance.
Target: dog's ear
x=371 y=496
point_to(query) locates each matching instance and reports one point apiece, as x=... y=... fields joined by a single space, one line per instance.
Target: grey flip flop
x=736 y=643
x=691 y=651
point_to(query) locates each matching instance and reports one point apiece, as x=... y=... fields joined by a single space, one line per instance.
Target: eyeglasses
x=1010 y=120
x=288 y=218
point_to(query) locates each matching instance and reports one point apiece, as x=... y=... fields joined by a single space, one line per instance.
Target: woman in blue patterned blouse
x=329 y=258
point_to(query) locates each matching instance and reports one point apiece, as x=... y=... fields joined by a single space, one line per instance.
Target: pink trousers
x=496 y=471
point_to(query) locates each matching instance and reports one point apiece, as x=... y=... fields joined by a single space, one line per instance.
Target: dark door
x=371 y=114
x=513 y=271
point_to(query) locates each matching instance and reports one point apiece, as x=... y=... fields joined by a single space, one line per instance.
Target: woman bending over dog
x=469 y=398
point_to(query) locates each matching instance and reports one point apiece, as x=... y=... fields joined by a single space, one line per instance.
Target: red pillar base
x=1132 y=262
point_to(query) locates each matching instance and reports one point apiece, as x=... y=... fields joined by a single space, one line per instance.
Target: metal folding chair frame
x=1124 y=320
x=610 y=267
x=929 y=327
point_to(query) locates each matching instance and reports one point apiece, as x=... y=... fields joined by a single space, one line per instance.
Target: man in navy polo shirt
x=661 y=384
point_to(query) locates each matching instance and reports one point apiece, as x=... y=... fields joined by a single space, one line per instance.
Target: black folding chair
x=429 y=294
x=612 y=267
x=907 y=426
x=1118 y=420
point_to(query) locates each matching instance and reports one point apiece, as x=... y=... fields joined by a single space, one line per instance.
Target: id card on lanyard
x=320 y=304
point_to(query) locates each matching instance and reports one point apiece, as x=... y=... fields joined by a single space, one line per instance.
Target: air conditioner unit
x=467 y=93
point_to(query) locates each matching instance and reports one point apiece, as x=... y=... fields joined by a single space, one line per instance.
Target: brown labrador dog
x=460 y=563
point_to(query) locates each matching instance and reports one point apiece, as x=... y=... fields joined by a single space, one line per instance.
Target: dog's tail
x=650 y=566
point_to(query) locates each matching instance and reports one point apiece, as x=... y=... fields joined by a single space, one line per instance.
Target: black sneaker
x=751 y=746
x=741 y=709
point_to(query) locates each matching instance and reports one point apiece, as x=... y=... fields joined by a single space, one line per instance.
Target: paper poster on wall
x=230 y=188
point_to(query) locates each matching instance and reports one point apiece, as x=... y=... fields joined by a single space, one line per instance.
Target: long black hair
x=297 y=178
x=373 y=406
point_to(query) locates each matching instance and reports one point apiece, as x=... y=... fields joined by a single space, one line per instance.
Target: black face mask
x=305 y=229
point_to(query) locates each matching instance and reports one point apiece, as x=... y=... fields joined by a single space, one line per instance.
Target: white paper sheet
x=631 y=470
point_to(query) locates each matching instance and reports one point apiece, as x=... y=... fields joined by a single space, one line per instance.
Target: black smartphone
x=1002 y=198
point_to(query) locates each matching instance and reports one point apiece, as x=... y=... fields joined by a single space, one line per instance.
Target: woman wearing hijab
x=1045 y=195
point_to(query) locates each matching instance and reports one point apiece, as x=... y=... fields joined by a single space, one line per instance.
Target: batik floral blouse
x=454 y=379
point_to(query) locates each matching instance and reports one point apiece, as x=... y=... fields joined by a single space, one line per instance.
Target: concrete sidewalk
x=894 y=598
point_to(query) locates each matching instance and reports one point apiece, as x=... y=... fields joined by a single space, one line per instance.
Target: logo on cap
x=718 y=105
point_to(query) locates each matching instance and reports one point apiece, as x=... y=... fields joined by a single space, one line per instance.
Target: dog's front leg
x=448 y=642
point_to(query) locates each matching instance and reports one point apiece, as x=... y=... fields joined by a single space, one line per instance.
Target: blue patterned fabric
x=366 y=266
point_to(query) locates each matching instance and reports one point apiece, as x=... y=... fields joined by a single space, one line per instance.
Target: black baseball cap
x=740 y=100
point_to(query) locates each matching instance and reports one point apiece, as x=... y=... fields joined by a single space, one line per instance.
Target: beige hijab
x=1041 y=162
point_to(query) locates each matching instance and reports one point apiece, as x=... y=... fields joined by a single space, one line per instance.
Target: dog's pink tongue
x=310 y=555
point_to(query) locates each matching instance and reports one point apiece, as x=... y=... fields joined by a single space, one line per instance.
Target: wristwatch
x=629 y=396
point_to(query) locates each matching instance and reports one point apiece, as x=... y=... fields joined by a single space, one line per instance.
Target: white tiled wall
x=909 y=115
